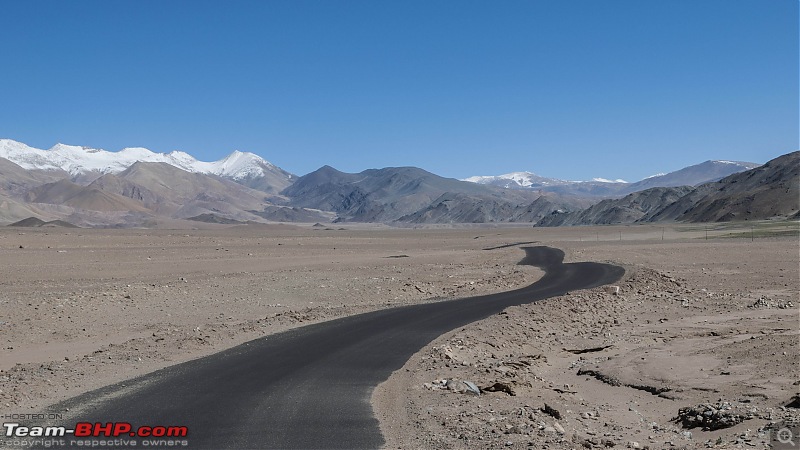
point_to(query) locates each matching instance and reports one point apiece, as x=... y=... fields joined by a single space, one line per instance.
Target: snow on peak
x=478 y=179
x=76 y=159
x=529 y=180
x=604 y=180
x=239 y=165
x=25 y=156
x=524 y=179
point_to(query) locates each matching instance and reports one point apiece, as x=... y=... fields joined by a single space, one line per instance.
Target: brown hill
x=15 y=181
x=37 y=222
x=177 y=193
x=213 y=218
x=126 y=188
x=29 y=222
x=67 y=193
x=12 y=210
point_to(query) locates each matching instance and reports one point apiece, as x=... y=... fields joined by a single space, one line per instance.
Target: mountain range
x=85 y=163
x=767 y=191
x=136 y=187
x=599 y=187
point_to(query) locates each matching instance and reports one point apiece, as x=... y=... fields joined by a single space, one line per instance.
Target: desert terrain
x=696 y=322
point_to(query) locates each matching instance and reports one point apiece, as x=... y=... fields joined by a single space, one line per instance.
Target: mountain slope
x=631 y=208
x=697 y=174
x=67 y=193
x=453 y=207
x=12 y=210
x=771 y=190
x=462 y=208
x=168 y=190
x=15 y=180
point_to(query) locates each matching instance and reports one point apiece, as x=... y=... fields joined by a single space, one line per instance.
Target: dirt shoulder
x=709 y=326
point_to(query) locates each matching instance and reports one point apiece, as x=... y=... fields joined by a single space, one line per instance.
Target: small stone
x=551 y=411
x=457 y=386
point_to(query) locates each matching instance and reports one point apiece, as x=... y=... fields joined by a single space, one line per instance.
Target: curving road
x=310 y=387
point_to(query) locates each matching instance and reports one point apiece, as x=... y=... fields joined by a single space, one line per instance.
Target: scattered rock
x=500 y=387
x=587 y=350
x=462 y=387
x=551 y=411
x=472 y=387
x=709 y=417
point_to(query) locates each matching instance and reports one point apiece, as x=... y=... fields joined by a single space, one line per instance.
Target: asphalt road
x=310 y=387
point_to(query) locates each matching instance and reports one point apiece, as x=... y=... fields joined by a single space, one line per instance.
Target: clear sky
x=572 y=89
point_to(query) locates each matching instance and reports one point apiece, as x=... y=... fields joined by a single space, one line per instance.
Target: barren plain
x=706 y=324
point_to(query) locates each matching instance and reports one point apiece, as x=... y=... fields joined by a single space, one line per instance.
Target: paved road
x=310 y=387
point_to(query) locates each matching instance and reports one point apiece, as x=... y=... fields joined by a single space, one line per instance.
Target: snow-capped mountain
x=242 y=167
x=517 y=180
x=688 y=176
x=529 y=180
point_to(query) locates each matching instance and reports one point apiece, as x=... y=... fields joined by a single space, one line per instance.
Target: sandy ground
x=696 y=322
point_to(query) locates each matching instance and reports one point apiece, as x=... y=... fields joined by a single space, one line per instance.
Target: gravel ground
x=697 y=349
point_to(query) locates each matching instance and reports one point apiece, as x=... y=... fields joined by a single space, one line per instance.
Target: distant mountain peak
x=735 y=163
x=239 y=165
x=605 y=180
x=517 y=180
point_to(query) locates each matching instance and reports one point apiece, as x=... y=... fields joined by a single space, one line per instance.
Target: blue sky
x=563 y=88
